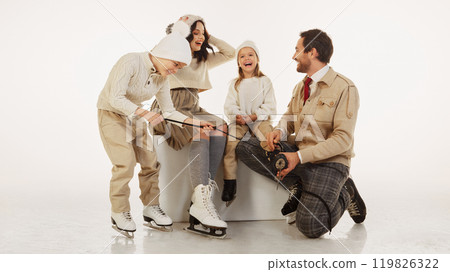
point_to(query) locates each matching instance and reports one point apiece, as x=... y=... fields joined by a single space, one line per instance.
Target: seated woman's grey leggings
x=205 y=157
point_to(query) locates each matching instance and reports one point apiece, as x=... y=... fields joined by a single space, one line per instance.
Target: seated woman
x=207 y=147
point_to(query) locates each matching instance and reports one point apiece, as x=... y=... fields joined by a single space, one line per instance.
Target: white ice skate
x=123 y=223
x=156 y=218
x=203 y=211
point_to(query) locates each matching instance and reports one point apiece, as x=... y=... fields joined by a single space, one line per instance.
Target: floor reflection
x=254 y=237
x=122 y=245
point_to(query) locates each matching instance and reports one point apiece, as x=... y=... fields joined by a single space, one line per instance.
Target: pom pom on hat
x=248 y=44
x=180 y=27
x=175 y=46
x=191 y=19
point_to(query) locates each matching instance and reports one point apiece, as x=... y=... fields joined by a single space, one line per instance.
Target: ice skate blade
x=124 y=232
x=206 y=233
x=228 y=203
x=157 y=227
x=290 y=218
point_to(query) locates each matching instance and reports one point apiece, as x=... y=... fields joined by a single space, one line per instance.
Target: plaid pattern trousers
x=323 y=200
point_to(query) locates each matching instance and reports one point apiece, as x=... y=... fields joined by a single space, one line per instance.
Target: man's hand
x=273 y=138
x=293 y=160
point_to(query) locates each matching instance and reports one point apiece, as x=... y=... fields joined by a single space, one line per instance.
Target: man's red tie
x=306 y=89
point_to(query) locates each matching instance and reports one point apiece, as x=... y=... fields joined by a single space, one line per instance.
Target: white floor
x=68 y=221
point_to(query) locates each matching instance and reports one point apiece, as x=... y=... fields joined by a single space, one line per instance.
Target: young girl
x=249 y=104
x=207 y=149
x=135 y=78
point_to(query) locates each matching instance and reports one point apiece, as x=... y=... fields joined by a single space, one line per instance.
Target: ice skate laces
x=293 y=193
x=353 y=209
x=213 y=185
x=127 y=216
x=208 y=201
x=158 y=211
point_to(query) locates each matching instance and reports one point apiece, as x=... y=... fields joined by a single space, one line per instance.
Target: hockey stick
x=280 y=161
x=192 y=125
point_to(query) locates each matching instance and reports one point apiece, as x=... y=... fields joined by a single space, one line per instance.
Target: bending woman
x=135 y=78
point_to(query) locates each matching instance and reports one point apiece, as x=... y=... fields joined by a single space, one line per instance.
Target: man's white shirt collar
x=320 y=74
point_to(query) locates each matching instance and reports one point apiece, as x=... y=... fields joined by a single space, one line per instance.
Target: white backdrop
x=56 y=55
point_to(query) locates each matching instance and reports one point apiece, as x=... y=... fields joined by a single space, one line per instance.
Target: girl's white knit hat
x=175 y=46
x=248 y=44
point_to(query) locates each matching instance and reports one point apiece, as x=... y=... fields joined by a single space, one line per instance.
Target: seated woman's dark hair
x=202 y=54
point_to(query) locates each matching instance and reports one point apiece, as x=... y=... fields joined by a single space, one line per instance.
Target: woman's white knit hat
x=248 y=44
x=191 y=19
x=175 y=46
